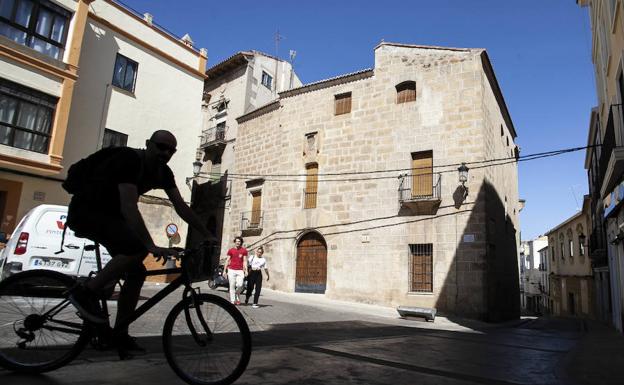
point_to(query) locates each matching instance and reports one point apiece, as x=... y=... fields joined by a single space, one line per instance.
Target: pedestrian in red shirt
x=236 y=269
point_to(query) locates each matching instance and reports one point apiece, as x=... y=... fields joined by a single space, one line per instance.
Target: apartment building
x=533 y=275
x=605 y=162
x=356 y=189
x=571 y=279
x=243 y=82
x=79 y=75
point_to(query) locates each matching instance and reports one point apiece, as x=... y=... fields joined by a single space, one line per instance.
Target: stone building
x=533 y=275
x=571 y=280
x=351 y=184
x=233 y=87
x=82 y=75
x=605 y=162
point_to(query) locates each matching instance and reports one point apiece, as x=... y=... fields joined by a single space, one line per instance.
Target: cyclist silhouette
x=107 y=212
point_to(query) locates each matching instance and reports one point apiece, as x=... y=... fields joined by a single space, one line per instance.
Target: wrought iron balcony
x=309 y=199
x=214 y=136
x=421 y=193
x=251 y=221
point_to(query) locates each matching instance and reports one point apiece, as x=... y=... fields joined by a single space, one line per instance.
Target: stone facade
x=459 y=114
x=571 y=280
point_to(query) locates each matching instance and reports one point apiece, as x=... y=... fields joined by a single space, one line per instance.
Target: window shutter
x=256 y=204
x=342 y=103
x=311 y=186
x=422 y=174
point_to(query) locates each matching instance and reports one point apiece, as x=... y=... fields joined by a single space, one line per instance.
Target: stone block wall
x=366 y=231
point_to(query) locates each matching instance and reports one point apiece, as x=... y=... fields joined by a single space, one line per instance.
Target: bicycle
x=206 y=340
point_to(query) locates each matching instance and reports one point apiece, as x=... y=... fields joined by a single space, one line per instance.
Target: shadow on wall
x=208 y=201
x=92 y=95
x=482 y=282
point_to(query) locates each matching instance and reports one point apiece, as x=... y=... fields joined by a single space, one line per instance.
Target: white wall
x=165 y=97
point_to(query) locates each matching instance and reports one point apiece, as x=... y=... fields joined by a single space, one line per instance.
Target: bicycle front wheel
x=39 y=329
x=210 y=344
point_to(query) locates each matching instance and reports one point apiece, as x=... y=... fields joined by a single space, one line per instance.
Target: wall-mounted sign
x=469 y=238
x=172 y=230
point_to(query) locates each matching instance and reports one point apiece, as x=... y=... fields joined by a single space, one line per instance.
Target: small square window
x=125 y=73
x=267 y=80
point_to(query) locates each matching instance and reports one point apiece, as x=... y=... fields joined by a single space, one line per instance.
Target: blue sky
x=540 y=50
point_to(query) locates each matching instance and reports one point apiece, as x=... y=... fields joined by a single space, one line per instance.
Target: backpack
x=82 y=176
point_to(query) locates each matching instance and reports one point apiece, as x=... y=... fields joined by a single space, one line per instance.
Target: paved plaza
x=307 y=339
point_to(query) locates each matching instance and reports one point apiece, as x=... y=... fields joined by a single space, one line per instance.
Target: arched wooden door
x=311 y=275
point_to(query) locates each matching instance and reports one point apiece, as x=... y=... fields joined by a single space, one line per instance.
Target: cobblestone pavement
x=308 y=339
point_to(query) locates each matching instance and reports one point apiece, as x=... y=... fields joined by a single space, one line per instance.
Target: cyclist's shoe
x=128 y=348
x=129 y=344
x=86 y=302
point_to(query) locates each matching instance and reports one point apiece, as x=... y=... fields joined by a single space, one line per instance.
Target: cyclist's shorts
x=110 y=231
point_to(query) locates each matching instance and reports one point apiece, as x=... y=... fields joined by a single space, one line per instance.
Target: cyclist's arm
x=185 y=212
x=128 y=198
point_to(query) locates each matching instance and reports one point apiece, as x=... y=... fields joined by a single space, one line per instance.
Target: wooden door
x=256 y=205
x=422 y=174
x=311 y=274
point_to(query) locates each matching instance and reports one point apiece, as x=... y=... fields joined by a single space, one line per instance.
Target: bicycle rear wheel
x=215 y=356
x=39 y=329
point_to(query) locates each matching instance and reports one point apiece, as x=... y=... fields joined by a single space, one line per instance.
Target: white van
x=37 y=239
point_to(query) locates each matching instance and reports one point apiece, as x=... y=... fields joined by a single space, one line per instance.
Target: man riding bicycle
x=107 y=212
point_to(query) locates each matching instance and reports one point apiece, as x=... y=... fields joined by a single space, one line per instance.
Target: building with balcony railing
x=234 y=87
x=605 y=160
x=352 y=174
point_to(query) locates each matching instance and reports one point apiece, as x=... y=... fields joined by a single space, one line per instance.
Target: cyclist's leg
x=130 y=292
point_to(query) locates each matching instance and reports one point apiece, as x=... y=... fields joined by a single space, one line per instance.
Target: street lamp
x=197 y=168
x=463 y=173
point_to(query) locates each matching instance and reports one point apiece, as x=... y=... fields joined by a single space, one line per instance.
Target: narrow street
x=307 y=339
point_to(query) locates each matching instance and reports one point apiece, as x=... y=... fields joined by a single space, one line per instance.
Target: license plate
x=49 y=262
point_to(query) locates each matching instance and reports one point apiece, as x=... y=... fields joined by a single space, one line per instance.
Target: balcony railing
x=608 y=143
x=420 y=187
x=251 y=220
x=213 y=136
x=309 y=199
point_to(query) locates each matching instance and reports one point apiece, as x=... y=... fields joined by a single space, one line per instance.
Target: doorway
x=311 y=273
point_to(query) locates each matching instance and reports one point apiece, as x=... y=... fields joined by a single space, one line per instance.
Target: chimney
x=186 y=39
x=148 y=17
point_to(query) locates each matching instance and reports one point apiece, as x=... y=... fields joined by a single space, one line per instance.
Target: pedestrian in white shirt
x=257 y=263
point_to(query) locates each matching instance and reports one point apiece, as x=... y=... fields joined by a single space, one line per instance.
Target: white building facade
x=112 y=78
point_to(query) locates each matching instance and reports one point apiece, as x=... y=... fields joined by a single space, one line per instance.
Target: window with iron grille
x=124 y=75
x=406 y=92
x=421 y=268
x=40 y=25
x=26 y=117
x=114 y=139
x=342 y=103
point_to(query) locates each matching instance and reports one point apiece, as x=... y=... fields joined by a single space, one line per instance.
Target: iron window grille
x=40 y=25
x=26 y=117
x=125 y=73
x=421 y=268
